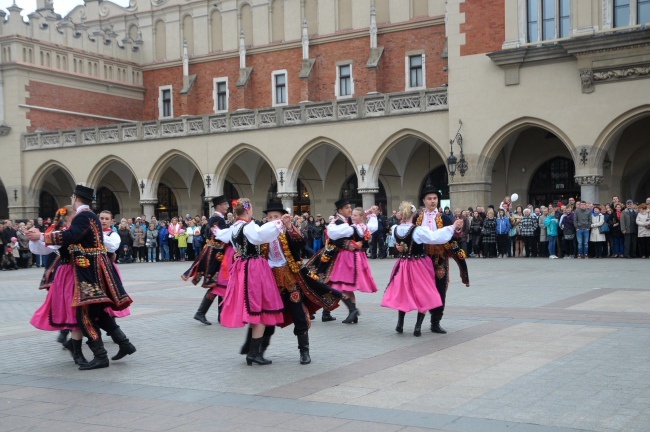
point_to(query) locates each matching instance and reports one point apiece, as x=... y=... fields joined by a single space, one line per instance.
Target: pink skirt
x=57 y=312
x=412 y=286
x=252 y=296
x=118 y=314
x=351 y=272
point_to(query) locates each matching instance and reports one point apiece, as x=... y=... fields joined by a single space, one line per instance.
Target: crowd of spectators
x=572 y=230
x=577 y=229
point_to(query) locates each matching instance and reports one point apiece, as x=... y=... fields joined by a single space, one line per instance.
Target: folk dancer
x=57 y=312
x=412 y=284
x=252 y=296
x=213 y=263
x=433 y=219
x=302 y=295
x=343 y=263
x=96 y=282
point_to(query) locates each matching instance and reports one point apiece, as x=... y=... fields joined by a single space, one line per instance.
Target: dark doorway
x=553 y=182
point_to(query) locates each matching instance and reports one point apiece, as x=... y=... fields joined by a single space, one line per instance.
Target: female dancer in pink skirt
x=57 y=313
x=252 y=296
x=412 y=283
x=343 y=263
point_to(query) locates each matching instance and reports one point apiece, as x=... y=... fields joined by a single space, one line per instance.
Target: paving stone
x=525 y=356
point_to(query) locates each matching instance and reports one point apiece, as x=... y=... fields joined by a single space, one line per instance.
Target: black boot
x=303 y=346
x=417 y=331
x=247 y=343
x=327 y=316
x=77 y=353
x=399 y=328
x=203 y=309
x=101 y=356
x=435 y=327
x=126 y=347
x=353 y=316
x=254 y=355
x=220 y=307
x=266 y=339
x=63 y=337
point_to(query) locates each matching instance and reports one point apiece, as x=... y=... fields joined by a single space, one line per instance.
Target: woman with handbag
x=475 y=233
x=616 y=235
x=597 y=236
x=489 y=235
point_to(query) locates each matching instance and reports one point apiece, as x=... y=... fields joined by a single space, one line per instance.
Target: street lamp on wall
x=15 y=194
x=457 y=164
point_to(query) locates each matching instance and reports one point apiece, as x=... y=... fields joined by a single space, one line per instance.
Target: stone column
x=287 y=199
x=470 y=194
x=589 y=187
x=148 y=207
x=368 y=197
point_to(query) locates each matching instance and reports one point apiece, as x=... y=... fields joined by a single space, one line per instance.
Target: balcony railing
x=376 y=105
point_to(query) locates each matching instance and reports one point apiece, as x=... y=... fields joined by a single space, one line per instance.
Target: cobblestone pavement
x=533 y=345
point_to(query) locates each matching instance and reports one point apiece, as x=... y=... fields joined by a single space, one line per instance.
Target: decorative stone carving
x=617 y=74
x=285 y=195
x=587 y=79
x=153 y=201
x=589 y=180
x=368 y=191
x=4 y=129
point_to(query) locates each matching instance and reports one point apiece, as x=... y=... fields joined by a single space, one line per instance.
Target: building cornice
x=65 y=49
x=75 y=77
x=601 y=58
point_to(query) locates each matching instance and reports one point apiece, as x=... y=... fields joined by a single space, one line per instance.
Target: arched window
x=553 y=182
x=106 y=200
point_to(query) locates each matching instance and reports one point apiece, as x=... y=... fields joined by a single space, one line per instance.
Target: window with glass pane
x=222 y=96
x=533 y=17
x=548 y=19
x=415 y=67
x=621 y=13
x=565 y=18
x=643 y=12
x=345 y=80
x=166 y=103
x=280 y=89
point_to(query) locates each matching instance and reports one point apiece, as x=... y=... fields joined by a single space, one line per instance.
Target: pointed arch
x=614 y=129
x=45 y=170
x=303 y=153
x=99 y=170
x=228 y=160
x=165 y=160
x=498 y=140
x=389 y=143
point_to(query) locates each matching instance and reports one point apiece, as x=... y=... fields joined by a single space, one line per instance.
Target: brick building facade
x=165 y=103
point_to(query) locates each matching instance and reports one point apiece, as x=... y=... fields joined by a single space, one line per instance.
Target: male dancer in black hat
x=97 y=284
x=302 y=296
x=208 y=264
x=433 y=218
